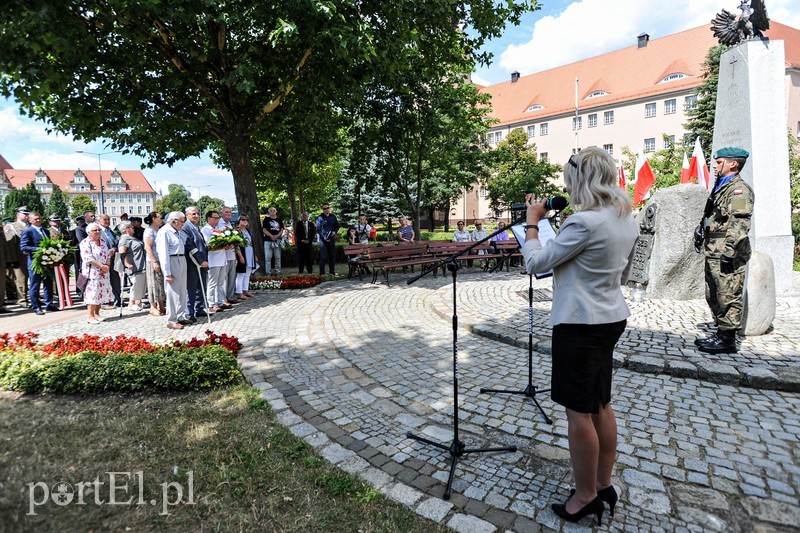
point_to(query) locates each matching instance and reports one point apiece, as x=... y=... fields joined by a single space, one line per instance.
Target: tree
x=57 y=205
x=666 y=163
x=701 y=116
x=82 y=204
x=174 y=78
x=27 y=196
x=207 y=203
x=516 y=169
x=177 y=198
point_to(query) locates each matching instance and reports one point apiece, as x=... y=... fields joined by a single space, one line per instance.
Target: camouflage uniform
x=727 y=224
x=17 y=259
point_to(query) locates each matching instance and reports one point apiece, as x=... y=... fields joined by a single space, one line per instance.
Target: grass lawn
x=247 y=472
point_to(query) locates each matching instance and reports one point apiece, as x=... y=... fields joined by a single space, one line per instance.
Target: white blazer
x=590 y=257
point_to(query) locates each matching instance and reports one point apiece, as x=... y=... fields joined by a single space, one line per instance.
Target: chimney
x=643 y=40
x=514 y=77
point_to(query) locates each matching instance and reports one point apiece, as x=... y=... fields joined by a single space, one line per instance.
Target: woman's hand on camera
x=536 y=209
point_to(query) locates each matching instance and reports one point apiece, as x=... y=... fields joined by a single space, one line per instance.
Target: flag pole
x=576 y=114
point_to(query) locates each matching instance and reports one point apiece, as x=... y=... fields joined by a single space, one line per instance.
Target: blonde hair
x=591 y=176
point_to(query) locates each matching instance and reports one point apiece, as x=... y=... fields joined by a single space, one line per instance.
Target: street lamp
x=100 y=171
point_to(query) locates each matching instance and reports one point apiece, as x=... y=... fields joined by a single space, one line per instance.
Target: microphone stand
x=456 y=448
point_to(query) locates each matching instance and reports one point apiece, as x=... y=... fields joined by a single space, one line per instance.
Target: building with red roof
x=629 y=97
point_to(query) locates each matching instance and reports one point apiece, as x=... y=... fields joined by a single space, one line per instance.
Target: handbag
x=81 y=281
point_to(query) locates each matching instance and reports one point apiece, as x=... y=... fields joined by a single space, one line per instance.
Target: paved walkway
x=351 y=367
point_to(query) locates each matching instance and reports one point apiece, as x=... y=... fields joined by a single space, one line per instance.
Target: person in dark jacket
x=304 y=233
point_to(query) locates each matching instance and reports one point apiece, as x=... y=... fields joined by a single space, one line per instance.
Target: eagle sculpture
x=731 y=30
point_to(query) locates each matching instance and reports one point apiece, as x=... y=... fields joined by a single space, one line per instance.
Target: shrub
x=167 y=368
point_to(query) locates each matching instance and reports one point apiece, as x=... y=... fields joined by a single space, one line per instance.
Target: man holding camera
x=723 y=239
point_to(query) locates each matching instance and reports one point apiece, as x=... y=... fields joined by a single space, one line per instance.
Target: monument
x=751 y=114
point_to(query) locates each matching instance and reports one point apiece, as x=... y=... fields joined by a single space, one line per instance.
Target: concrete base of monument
x=759 y=295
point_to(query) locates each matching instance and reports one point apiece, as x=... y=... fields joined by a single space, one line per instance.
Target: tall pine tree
x=57 y=205
x=701 y=116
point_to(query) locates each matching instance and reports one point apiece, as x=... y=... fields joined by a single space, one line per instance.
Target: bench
x=506 y=250
x=387 y=258
x=357 y=255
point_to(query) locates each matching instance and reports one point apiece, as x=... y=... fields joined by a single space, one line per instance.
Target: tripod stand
x=456 y=448
x=531 y=390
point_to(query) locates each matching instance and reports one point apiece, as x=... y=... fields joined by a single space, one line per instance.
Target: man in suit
x=29 y=241
x=196 y=256
x=304 y=233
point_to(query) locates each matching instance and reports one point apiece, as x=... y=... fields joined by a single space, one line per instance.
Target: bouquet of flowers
x=49 y=254
x=220 y=238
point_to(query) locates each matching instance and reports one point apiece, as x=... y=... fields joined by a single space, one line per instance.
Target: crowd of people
x=169 y=261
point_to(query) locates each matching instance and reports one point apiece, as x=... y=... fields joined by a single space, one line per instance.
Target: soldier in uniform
x=726 y=246
x=3 y=266
x=19 y=260
x=55 y=229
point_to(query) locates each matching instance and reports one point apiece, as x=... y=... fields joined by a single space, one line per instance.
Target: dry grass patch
x=246 y=472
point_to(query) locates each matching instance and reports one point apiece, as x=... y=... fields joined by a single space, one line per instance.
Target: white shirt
x=168 y=243
x=461 y=236
x=216 y=258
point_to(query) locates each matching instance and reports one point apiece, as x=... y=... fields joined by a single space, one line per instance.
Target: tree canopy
x=27 y=196
x=178 y=198
x=82 y=204
x=701 y=115
x=57 y=205
x=166 y=80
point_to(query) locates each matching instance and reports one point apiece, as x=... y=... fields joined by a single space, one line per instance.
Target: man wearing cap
x=726 y=247
x=18 y=260
x=55 y=229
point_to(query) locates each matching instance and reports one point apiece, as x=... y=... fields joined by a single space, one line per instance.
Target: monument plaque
x=643 y=248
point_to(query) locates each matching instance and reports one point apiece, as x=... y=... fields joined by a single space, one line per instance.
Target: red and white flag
x=685 y=176
x=621 y=172
x=698 y=167
x=645 y=179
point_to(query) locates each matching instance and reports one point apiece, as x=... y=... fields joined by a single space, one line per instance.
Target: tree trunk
x=418 y=200
x=294 y=215
x=238 y=148
x=447 y=217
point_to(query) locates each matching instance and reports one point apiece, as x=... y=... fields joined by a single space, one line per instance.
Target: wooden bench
x=387 y=258
x=506 y=250
x=357 y=256
x=481 y=252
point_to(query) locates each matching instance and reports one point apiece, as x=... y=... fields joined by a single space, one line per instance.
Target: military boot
x=722 y=342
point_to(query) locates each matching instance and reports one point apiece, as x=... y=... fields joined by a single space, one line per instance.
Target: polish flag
x=685 y=176
x=698 y=167
x=621 y=172
x=645 y=179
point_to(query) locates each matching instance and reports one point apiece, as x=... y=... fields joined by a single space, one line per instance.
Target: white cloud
x=591 y=27
x=16 y=128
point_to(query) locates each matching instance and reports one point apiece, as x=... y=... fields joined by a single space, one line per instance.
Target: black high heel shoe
x=608 y=495
x=594 y=507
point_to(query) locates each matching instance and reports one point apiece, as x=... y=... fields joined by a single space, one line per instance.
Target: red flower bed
x=291 y=282
x=228 y=342
x=18 y=341
x=72 y=344
x=93 y=343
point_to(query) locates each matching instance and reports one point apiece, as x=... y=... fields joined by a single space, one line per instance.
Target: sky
x=559 y=33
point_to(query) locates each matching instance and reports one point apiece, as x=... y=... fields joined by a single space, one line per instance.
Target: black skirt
x=582 y=364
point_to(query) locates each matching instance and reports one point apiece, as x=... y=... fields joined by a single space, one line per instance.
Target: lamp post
x=100 y=172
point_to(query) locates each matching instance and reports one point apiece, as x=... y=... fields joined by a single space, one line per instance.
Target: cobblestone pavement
x=351 y=367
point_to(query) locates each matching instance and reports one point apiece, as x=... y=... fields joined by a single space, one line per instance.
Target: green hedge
x=169 y=368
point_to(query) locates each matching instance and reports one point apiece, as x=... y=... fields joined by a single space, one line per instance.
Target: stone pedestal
x=759 y=295
x=674 y=270
x=751 y=114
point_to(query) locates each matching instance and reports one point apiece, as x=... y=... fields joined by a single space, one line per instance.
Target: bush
x=170 y=368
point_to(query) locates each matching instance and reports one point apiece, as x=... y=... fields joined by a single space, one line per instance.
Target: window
x=670 y=106
x=669 y=141
x=595 y=94
x=94 y=198
x=112 y=198
x=577 y=122
x=543 y=127
x=483 y=192
x=531 y=131
x=534 y=107
x=496 y=137
x=138 y=210
x=113 y=210
x=138 y=198
x=575 y=151
x=650 y=144
x=130 y=199
x=130 y=209
x=650 y=110
x=543 y=156
x=609 y=148
x=608 y=118
x=690 y=102
x=674 y=76
x=593 y=120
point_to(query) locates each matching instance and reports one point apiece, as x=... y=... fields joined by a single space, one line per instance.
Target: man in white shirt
x=171 y=252
x=217 y=265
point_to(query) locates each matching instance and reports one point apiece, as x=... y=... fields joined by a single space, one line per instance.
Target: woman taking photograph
x=155 y=278
x=131 y=262
x=590 y=258
x=96 y=268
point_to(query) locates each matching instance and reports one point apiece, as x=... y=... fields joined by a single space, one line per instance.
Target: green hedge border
x=167 y=369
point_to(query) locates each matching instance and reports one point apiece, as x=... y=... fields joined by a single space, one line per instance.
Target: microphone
x=556 y=203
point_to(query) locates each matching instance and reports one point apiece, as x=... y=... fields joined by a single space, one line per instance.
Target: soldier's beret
x=54 y=218
x=732 y=152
